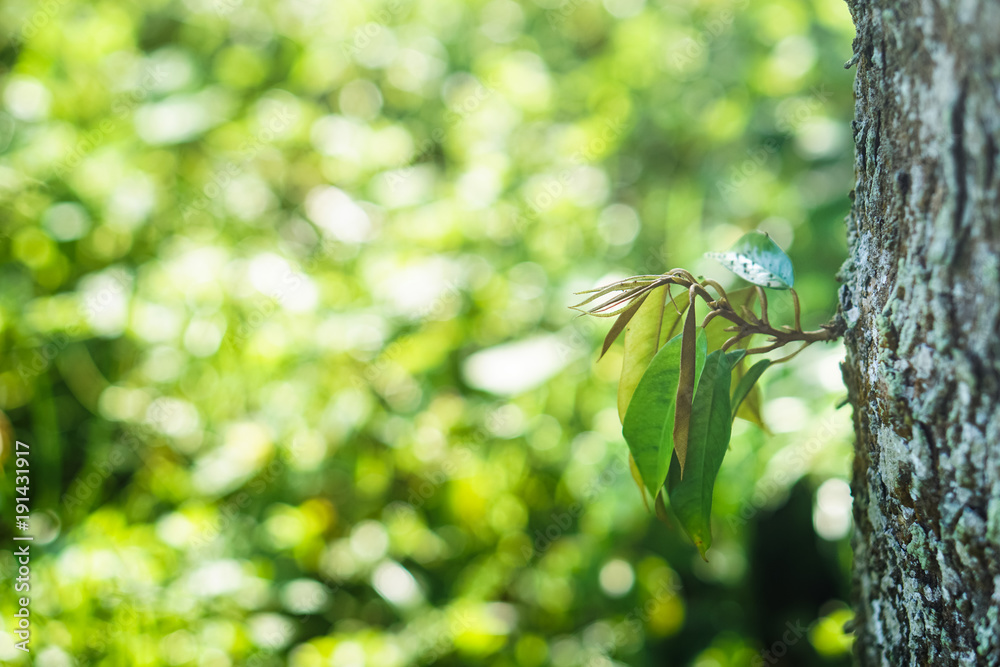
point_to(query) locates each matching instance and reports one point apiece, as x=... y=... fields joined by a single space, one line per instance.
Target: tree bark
x=921 y=300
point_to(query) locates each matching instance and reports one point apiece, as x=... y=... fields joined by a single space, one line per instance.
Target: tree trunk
x=921 y=299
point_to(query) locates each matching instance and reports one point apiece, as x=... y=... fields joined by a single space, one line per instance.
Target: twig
x=798 y=313
x=743 y=325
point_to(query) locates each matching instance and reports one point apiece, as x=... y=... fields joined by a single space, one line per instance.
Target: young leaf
x=637 y=478
x=735 y=357
x=653 y=324
x=737 y=361
x=748 y=382
x=621 y=323
x=750 y=408
x=717 y=337
x=685 y=389
x=661 y=509
x=711 y=426
x=759 y=260
x=625 y=287
x=648 y=424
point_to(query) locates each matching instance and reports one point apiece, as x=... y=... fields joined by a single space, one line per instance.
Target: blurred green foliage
x=283 y=293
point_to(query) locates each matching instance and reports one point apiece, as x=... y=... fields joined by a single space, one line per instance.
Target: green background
x=283 y=316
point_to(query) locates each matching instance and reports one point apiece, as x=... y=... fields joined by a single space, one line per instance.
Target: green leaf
x=649 y=423
x=750 y=408
x=708 y=440
x=661 y=510
x=621 y=323
x=735 y=357
x=759 y=260
x=637 y=478
x=747 y=383
x=651 y=327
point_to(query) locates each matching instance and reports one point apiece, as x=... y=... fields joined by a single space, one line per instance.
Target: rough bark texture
x=921 y=299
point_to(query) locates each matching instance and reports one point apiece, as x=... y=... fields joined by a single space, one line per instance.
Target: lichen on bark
x=921 y=298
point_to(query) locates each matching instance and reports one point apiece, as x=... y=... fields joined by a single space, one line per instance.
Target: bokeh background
x=283 y=316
